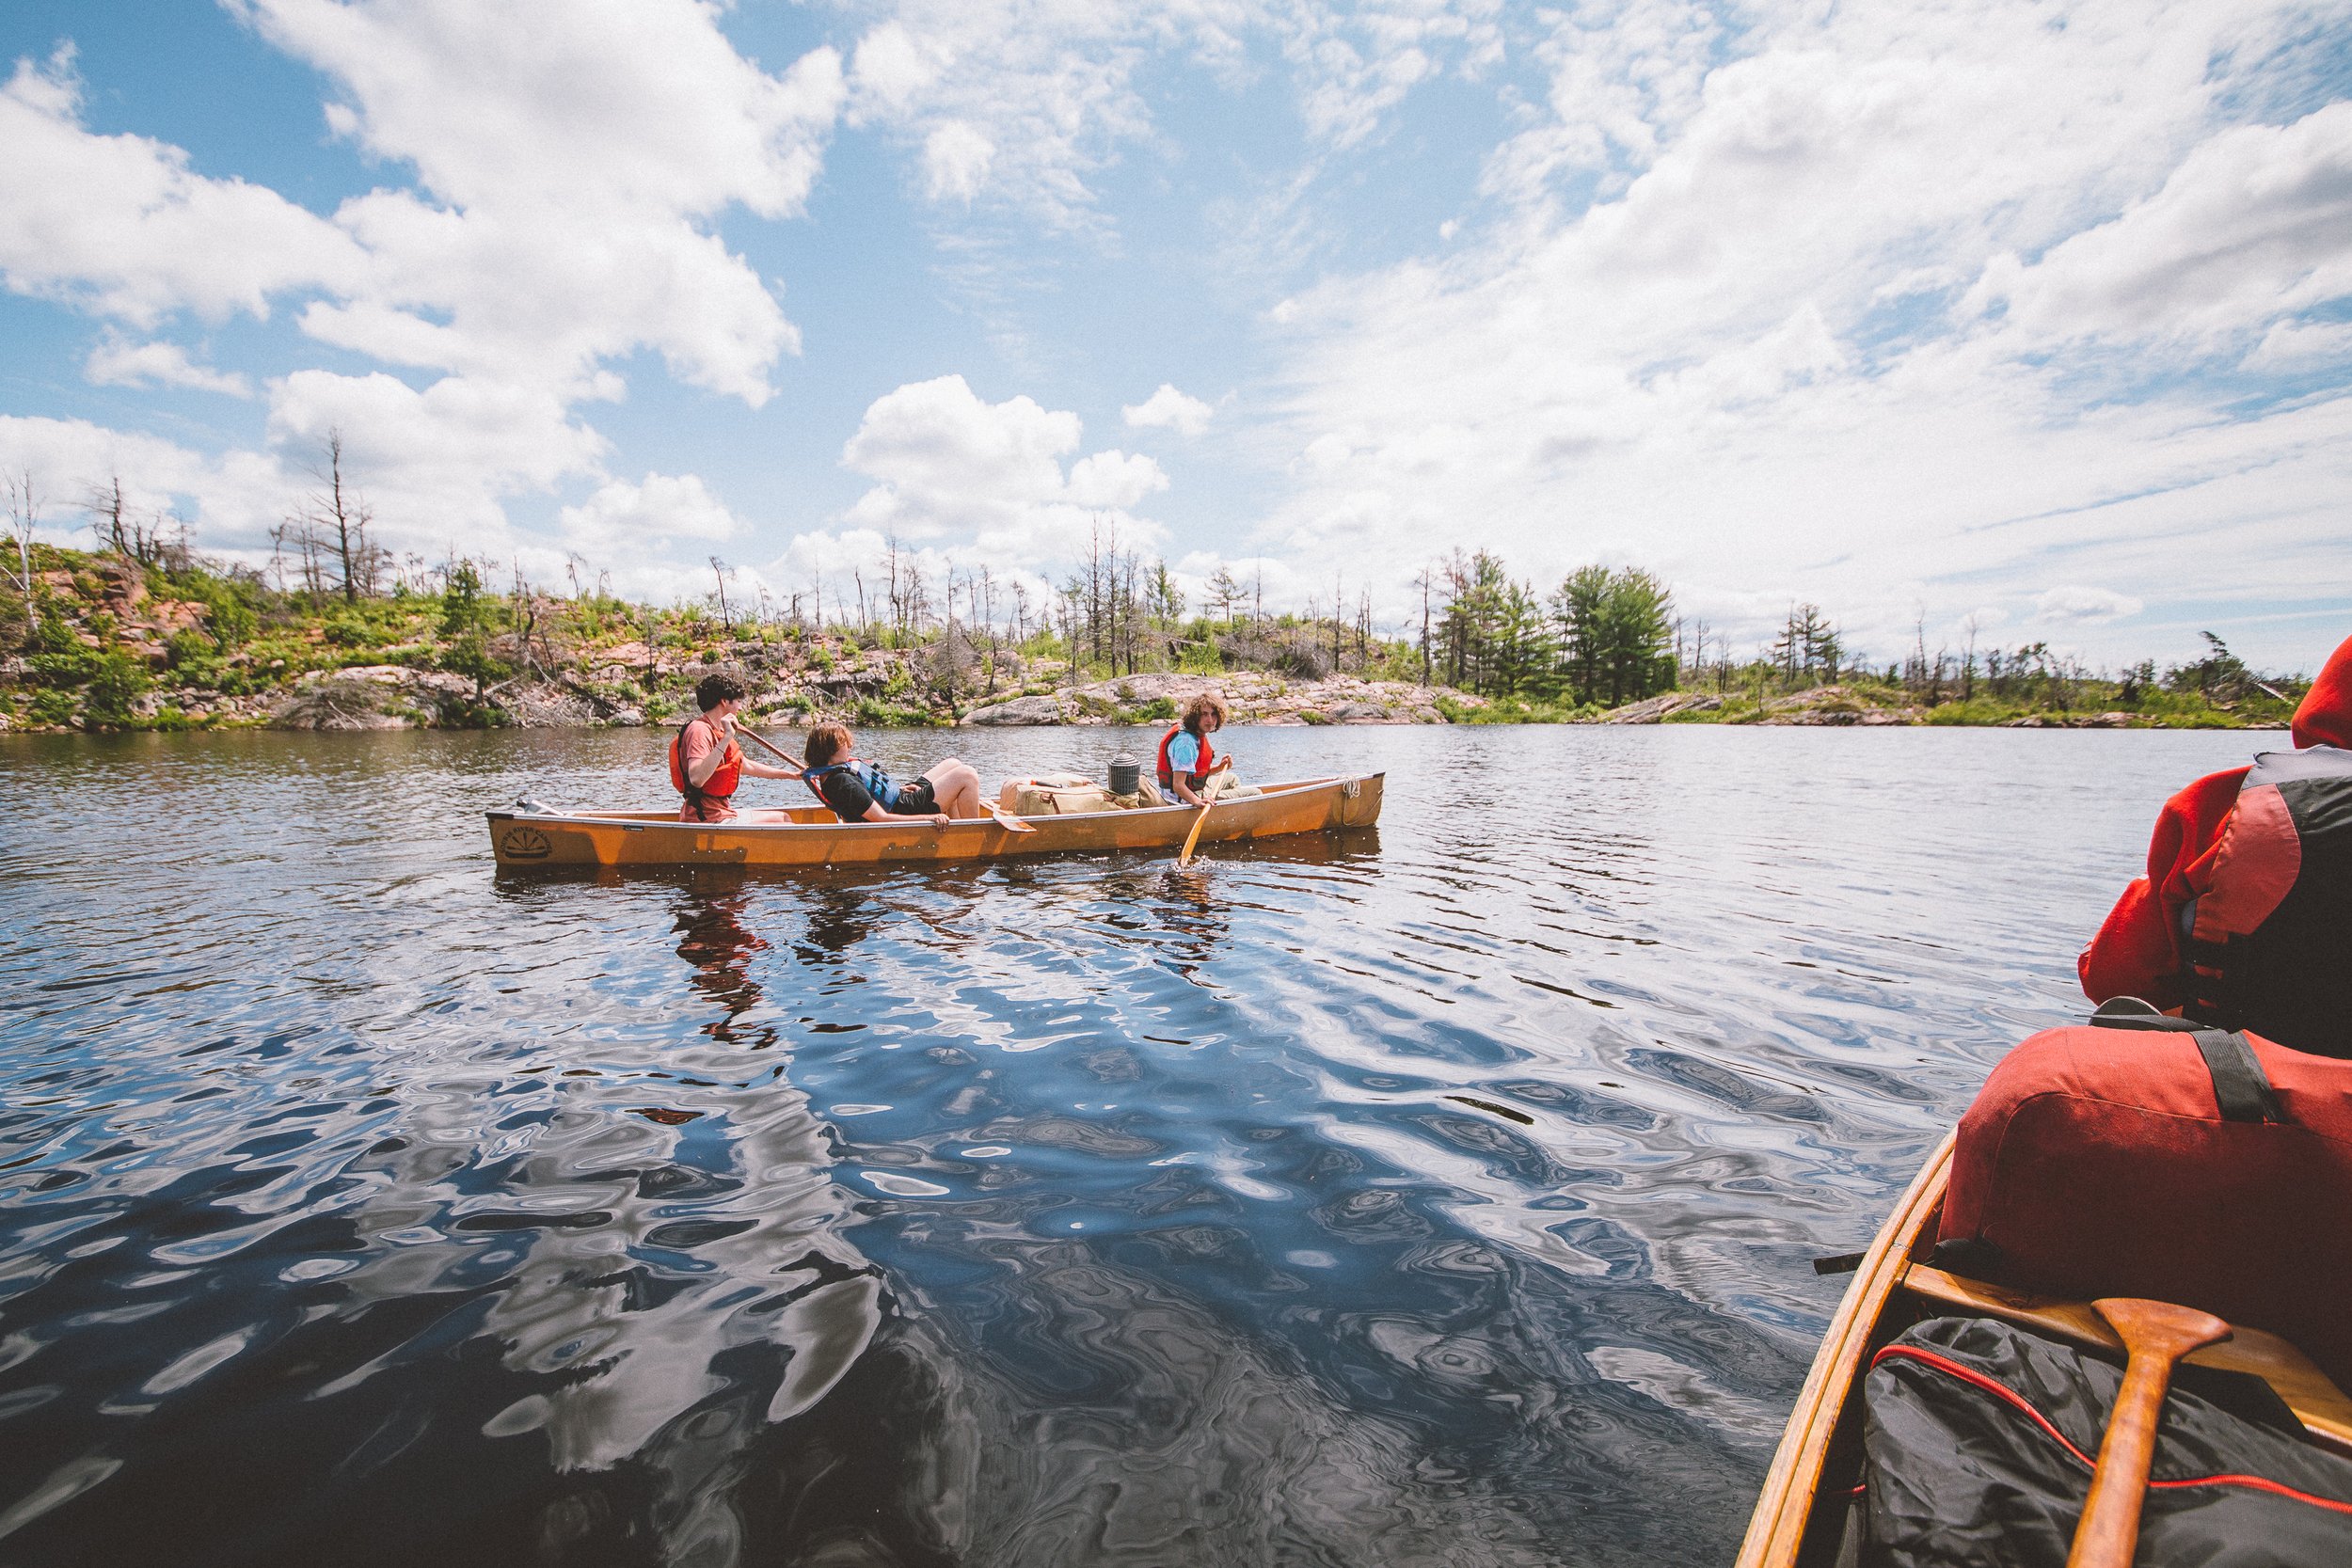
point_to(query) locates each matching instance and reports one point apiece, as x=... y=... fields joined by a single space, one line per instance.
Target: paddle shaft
x=773 y=749
x=2155 y=1334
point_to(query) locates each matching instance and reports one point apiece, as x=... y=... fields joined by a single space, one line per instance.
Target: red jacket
x=2138 y=951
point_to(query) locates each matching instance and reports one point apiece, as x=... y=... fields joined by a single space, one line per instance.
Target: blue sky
x=2034 y=315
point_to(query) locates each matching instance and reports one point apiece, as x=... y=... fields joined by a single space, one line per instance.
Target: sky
x=2025 y=320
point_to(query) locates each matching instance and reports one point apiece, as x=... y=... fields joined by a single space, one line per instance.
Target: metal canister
x=1126 y=775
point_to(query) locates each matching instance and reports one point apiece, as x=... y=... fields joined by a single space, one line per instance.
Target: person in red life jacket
x=706 y=763
x=861 y=792
x=1187 y=758
x=2244 y=920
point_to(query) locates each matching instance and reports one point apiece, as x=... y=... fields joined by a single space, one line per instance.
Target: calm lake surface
x=1440 y=1194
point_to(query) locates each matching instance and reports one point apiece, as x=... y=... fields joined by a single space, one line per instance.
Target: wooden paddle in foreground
x=1194 y=837
x=2155 y=1334
x=1004 y=819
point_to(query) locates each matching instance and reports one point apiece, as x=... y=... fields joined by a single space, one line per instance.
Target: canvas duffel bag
x=1053 y=795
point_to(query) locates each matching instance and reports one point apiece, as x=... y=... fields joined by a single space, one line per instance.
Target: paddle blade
x=1010 y=823
x=1194 y=837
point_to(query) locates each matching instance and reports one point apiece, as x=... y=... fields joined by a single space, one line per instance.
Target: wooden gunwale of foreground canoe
x=814 y=838
x=1798 y=1516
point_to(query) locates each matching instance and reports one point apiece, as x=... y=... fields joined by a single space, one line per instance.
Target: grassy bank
x=106 y=641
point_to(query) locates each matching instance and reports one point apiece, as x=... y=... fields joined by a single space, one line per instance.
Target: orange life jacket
x=1201 y=771
x=719 y=788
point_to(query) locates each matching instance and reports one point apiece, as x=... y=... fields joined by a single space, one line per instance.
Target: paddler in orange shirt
x=707 y=763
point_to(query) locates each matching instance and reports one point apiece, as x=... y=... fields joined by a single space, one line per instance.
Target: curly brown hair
x=1205 y=706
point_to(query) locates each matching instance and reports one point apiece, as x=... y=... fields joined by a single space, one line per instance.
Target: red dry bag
x=2150 y=1157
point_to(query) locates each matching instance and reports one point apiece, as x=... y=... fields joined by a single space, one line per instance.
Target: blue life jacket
x=878 y=784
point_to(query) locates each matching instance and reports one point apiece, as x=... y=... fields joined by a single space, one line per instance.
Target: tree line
x=1601 y=635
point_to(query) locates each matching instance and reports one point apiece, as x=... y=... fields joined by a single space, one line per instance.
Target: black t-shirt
x=846 y=794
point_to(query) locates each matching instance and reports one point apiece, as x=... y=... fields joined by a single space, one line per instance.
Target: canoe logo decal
x=524 y=843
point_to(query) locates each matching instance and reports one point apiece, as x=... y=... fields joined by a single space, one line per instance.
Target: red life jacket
x=2269 y=943
x=1199 y=774
x=719 y=788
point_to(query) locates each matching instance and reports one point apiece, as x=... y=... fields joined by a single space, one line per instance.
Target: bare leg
x=957 y=788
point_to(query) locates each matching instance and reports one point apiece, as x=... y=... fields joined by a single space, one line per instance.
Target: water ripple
x=1442 y=1193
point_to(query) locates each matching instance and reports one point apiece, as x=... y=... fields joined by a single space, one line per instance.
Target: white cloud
x=117 y=363
x=2253 y=222
x=955 y=161
x=2078 y=603
x=122 y=226
x=638 y=518
x=2296 y=346
x=233 y=500
x=988 y=476
x=1027 y=102
x=1747 y=361
x=581 y=106
x=1169 y=409
x=571 y=162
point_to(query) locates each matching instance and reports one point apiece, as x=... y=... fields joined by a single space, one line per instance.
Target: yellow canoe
x=1798 y=1518
x=814 y=837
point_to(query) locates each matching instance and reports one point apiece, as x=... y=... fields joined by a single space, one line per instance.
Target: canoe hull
x=524 y=840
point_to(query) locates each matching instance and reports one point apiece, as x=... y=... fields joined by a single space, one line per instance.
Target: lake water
x=1443 y=1193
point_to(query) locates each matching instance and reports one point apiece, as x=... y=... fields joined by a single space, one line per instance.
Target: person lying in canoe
x=1187 y=761
x=861 y=792
x=706 y=763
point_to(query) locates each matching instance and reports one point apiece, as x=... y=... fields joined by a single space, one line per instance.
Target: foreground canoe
x=814 y=837
x=1799 y=1517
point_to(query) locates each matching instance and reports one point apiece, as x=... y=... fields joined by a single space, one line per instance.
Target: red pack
x=2157 y=1159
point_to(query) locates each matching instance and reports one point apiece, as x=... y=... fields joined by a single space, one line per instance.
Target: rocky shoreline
x=1250 y=697
x=393 y=696
x=1833 y=705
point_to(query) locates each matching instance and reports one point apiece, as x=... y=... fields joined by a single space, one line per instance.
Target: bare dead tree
x=299 y=538
x=23 y=503
x=337 y=520
x=1425 y=582
x=720 y=570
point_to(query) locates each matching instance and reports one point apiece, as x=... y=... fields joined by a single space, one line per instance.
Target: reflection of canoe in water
x=1800 y=1517
x=814 y=837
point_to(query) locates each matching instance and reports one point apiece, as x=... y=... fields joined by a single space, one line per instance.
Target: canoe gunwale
x=650 y=818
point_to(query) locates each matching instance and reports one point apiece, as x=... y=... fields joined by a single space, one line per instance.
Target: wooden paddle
x=773 y=749
x=2155 y=1334
x=1194 y=837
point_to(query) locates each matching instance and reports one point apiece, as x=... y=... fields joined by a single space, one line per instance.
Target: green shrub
x=118 y=681
x=53 y=636
x=346 y=629
x=871 y=711
x=51 y=707
x=73 y=666
x=189 y=649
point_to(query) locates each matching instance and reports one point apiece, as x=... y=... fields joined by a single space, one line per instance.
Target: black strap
x=2240 y=1086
